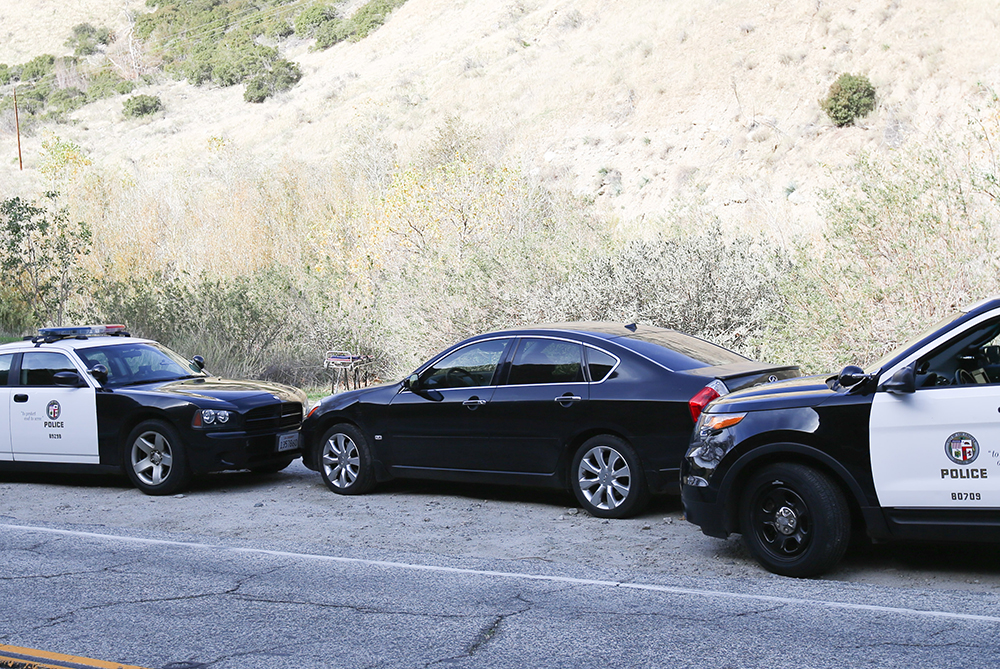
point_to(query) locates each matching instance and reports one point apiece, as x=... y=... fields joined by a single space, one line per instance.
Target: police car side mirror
x=902 y=382
x=99 y=372
x=851 y=375
x=67 y=379
x=199 y=362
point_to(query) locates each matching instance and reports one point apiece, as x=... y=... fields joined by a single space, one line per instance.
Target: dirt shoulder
x=461 y=521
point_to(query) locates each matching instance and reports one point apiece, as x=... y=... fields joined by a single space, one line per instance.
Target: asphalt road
x=172 y=601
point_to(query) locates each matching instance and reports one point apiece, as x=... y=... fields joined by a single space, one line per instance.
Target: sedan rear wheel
x=156 y=460
x=607 y=478
x=345 y=461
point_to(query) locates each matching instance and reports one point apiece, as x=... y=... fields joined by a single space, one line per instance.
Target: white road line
x=694 y=592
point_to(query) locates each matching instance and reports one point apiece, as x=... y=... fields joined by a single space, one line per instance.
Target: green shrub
x=86 y=37
x=141 y=105
x=312 y=18
x=850 y=97
x=37 y=67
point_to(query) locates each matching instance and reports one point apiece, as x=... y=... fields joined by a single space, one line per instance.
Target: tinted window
x=470 y=366
x=678 y=351
x=138 y=363
x=5 y=361
x=39 y=367
x=546 y=361
x=599 y=364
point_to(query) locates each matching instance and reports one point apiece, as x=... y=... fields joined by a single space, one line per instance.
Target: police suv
x=908 y=448
x=94 y=399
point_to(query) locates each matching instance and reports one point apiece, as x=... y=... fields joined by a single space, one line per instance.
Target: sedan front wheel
x=345 y=461
x=607 y=478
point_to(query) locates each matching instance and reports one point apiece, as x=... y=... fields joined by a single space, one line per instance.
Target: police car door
x=5 y=363
x=939 y=446
x=51 y=423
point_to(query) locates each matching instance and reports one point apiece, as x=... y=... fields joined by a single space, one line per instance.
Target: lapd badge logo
x=52 y=410
x=962 y=448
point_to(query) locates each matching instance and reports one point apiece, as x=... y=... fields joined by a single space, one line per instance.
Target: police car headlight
x=713 y=440
x=210 y=417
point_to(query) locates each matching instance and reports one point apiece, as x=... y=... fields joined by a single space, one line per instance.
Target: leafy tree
x=42 y=251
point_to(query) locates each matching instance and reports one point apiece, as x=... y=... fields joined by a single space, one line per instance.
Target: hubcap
x=151 y=458
x=605 y=478
x=341 y=461
x=781 y=521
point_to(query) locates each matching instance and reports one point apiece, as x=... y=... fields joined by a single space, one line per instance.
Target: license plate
x=288 y=441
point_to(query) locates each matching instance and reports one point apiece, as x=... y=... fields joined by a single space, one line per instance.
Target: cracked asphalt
x=245 y=571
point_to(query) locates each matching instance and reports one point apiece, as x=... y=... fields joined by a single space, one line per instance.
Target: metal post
x=17 y=124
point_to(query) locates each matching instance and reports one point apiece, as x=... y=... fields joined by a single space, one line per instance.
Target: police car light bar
x=80 y=330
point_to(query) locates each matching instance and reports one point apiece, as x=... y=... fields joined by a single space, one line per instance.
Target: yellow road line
x=29 y=658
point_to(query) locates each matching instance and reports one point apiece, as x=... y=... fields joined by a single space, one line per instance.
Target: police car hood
x=227 y=390
x=804 y=391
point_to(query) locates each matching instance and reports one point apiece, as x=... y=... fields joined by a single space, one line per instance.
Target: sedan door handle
x=474 y=403
x=20 y=398
x=567 y=399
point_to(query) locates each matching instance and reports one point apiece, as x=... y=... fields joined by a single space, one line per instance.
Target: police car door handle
x=20 y=398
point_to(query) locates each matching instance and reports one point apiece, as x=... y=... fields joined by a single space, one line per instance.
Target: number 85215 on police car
x=93 y=399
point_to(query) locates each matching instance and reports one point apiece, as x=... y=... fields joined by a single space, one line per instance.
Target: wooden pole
x=17 y=124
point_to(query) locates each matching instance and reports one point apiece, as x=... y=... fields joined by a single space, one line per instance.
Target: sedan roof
x=672 y=349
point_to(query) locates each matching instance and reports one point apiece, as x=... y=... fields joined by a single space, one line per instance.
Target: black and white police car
x=907 y=449
x=93 y=399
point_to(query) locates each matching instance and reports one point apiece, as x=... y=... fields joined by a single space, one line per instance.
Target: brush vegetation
x=261 y=269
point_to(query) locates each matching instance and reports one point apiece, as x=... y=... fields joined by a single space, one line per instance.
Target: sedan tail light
x=704 y=396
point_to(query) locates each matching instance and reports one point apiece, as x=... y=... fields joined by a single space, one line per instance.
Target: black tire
x=345 y=461
x=794 y=520
x=607 y=479
x=272 y=468
x=155 y=459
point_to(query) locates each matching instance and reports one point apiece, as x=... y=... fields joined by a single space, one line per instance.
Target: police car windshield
x=896 y=352
x=136 y=362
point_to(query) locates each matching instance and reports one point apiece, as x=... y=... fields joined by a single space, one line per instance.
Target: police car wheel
x=794 y=520
x=345 y=461
x=607 y=478
x=155 y=459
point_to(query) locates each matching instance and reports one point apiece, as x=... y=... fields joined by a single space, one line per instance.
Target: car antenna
x=631 y=327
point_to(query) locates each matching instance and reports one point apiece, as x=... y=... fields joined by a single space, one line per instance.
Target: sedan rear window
x=678 y=351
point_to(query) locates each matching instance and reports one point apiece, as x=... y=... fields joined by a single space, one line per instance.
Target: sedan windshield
x=139 y=363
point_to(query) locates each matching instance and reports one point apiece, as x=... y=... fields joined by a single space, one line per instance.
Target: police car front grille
x=274 y=416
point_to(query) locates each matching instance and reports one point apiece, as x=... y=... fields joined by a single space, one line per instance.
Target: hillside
x=476 y=165
x=628 y=104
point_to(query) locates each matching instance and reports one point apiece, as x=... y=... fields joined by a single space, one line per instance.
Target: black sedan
x=93 y=399
x=603 y=409
x=906 y=449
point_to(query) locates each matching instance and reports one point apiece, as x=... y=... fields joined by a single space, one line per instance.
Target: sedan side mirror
x=199 y=362
x=902 y=382
x=410 y=383
x=99 y=372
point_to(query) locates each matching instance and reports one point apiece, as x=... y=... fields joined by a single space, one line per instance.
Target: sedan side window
x=546 y=361
x=468 y=367
x=5 y=361
x=599 y=364
x=38 y=368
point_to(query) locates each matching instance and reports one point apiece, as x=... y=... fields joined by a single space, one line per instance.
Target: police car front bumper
x=702 y=507
x=218 y=451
